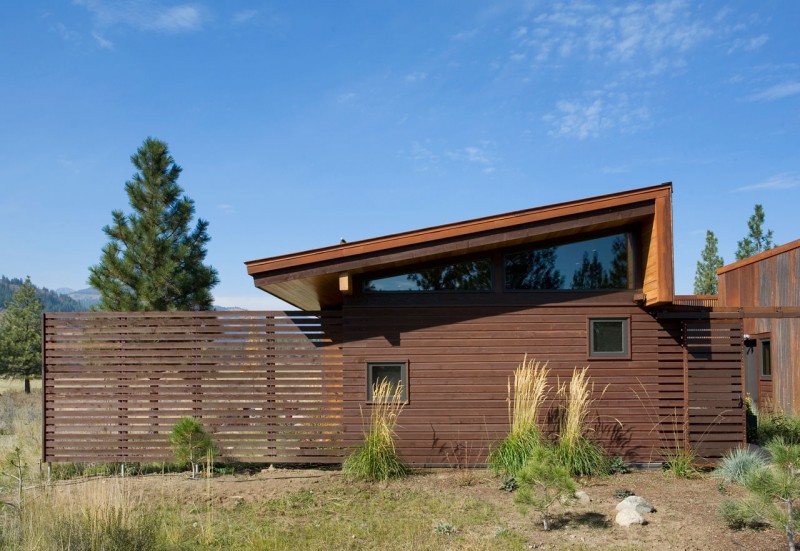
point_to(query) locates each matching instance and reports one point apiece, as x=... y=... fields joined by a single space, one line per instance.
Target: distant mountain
x=88 y=297
x=65 y=299
x=51 y=300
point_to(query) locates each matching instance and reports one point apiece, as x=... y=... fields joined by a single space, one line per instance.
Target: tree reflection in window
x=600 y=263
x=533 y=270
x=472 y=275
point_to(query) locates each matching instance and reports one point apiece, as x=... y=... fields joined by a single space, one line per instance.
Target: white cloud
x=244 y=16
x=465 y=35
x=598 y=112
x=779 y=91
x=473 y=154
x=226 y=208
x=346 y=97
x=655 y=31
x=416 y=76
x=102 y=42
x=785 y=180
x=148 y=15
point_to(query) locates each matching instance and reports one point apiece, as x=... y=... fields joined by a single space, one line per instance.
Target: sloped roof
x=310 y=279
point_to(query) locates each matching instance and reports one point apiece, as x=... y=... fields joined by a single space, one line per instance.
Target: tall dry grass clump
x=376 y=458
x=525 y=398
x=93 y=516
x=575 y=450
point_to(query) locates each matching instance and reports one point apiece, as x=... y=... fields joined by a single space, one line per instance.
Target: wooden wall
x=462 y=354
x=771 y=279
x=268 y=385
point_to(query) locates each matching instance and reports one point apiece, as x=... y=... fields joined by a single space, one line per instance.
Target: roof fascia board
x=760 y=256
x=459 y=229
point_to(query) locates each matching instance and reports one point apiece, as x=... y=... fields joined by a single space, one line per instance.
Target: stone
x=582 y=497
x=636 y=503
x=628 y=517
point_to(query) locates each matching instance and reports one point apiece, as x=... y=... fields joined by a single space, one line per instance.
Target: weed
x=616 y=465
x=509 y=483
x=376 y=458
x=524 y=398
x=622 y=493
x=444 y=528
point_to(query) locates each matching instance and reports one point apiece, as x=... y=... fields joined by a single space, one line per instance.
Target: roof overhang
x=316 y=279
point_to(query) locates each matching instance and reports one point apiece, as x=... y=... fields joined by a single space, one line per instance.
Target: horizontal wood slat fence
x=268 y=385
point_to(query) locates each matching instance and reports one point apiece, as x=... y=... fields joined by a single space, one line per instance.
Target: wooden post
x=685 y=344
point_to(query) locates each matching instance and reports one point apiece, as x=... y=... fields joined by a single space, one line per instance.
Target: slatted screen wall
x=268 y=385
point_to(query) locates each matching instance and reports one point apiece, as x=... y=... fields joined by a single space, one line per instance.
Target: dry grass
x=376 y=458
x=576 y=451
x=526 y=396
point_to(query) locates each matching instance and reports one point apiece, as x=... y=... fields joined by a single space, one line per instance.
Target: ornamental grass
x=525 y=398
x=376 y=458
x=575 y=450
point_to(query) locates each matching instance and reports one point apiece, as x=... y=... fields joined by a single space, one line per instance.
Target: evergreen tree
x=756 y=240
x=21 y=335
x=153 y=260
x=705 y=277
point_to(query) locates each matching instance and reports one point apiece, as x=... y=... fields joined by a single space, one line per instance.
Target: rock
x=582 y=497
x=627 y=517
x=636 y=503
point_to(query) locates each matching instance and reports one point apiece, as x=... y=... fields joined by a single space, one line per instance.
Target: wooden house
x=451 y=310
x=448 y=311
x=766 y=289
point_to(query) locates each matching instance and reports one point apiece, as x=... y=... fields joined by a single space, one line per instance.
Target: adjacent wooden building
x=765 y=288
x=447 y=311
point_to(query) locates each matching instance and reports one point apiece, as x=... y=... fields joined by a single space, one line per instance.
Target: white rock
x=627 y=517
x=582 y=497
x=636 y=503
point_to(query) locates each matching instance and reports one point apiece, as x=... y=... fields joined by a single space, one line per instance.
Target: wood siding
x=268 y=385
x=771 y=279
x=461 y=356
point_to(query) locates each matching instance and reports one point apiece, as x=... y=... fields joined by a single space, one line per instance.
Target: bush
x=524 y=398
x=737 y=463
x=544 y=481
x=772 y=425
x=376 y=458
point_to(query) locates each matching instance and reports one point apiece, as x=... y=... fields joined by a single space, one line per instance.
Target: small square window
x=609 y=338
x=395 y=373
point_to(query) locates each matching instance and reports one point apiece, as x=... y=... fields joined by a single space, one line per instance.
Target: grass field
x=293 y=509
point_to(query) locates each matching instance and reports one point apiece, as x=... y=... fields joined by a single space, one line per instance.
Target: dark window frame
x=761 y=371
x=404 y=372
x=624 y=354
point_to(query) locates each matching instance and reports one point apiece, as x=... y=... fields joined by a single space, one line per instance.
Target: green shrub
x=191 y=442
x=544 y=481
x=737 y=463
x=739 y=515
x=776 y=424
x=376 y=458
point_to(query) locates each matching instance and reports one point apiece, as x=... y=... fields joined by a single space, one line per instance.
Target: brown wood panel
x=268 y=385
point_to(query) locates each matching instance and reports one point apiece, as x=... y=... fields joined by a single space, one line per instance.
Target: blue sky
x=300 y=123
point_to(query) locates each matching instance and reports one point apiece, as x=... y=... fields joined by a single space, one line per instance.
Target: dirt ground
x=686 y=516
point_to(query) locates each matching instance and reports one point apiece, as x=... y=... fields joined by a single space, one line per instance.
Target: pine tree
x=21 y=335
x=756 y=240
x=153 y=260
x=705 y=277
